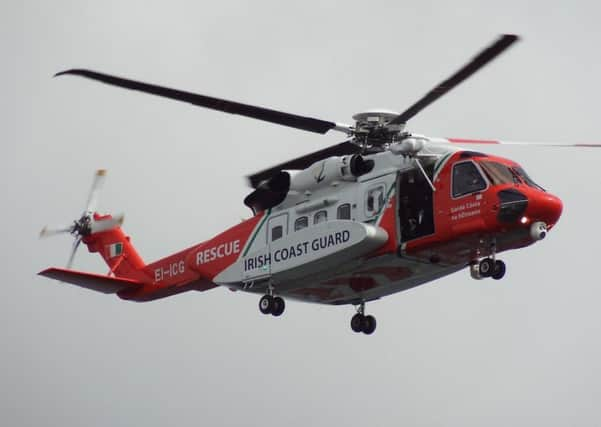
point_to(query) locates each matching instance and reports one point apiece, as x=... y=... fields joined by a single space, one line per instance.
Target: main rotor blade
x=305 y=161
x=95 y=190
x=463 y=73
x=281 y=118
x=462 y=141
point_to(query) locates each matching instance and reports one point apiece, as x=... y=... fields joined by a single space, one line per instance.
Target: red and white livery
x=380 y=213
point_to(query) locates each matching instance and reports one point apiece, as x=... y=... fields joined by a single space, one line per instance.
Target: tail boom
x=130 y=278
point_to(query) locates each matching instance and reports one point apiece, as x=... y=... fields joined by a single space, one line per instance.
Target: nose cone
x=547 y=208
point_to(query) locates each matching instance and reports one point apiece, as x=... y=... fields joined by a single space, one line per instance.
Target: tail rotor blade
x=107 y=224
x=95 y=190
x=73 y=251
x=48 y=232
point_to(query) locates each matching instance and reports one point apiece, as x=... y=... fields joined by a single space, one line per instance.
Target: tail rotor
x=89 y=222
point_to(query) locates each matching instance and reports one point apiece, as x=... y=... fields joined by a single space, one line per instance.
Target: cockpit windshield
x=498 y=173
x=524 y=176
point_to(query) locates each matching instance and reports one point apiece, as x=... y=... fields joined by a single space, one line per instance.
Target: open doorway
x=415 y=209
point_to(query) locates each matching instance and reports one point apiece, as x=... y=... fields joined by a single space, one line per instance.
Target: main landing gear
x=362 y=323
x=268 y=304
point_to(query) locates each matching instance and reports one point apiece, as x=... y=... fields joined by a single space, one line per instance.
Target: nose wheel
x=362 y=323
x=489 y=267
x=499 y=270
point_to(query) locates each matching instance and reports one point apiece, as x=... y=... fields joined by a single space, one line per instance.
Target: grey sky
x=523 y=351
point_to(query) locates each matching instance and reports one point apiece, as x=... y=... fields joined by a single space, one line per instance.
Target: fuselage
x=343 y=239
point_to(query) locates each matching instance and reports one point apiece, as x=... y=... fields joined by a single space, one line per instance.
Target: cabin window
x=344 y=211
x=375 y=200
x=320 y=216
x=498 y=173
x=300 y=223
x=277 y=232
x=467 y=179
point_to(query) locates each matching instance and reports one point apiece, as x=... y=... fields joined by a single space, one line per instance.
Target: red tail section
x=130 y=278
x=118 y=252
x=165 y=277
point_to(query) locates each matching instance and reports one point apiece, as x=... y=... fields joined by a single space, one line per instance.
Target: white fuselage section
x=327 y=226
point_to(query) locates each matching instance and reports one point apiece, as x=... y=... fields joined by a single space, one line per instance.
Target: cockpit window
x=498 y=173
x=467 y=179
x=524 y=176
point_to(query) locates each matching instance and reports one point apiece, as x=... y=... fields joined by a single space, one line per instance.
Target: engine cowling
x=269 y=193
x=325 y=172
x=274 y=190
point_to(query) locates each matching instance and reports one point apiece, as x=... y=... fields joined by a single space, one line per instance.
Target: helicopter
x=382 y=212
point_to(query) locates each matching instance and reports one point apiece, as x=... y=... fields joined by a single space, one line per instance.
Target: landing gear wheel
x=369 y=325
x=278 y=306
x=357 y=322
x=486 y=267
x=266 y=304
x=499 y=270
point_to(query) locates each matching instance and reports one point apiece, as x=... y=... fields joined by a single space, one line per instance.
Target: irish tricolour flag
x=115 y=249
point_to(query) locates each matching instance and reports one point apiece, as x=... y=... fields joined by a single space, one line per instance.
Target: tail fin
x=117 y=251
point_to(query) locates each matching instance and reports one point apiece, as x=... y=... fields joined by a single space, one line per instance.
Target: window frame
x=272 y=222
x=325 y=212
x=482 y=175
x=274 y=228
x=297 y=221
x=491 y=171
x=370 y=189
x=523 y=175
x=344 y=205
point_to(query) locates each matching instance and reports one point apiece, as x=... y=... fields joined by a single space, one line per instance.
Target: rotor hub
x=373 y=127
x=375 y=116
x=83 y=226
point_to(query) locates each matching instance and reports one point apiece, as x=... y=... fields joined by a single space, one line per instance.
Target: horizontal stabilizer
x=95 y=282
